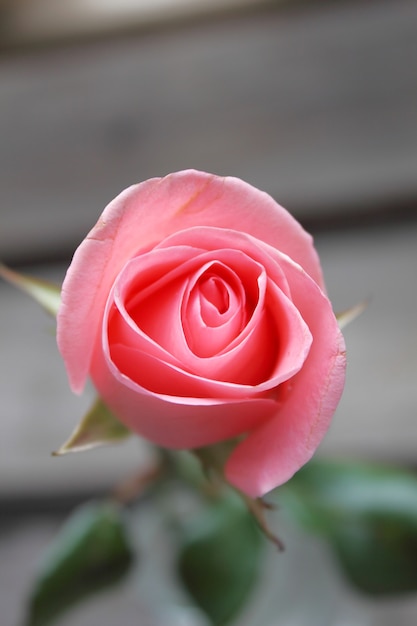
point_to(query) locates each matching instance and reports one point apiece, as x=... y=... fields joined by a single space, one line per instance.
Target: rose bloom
x=197 y=306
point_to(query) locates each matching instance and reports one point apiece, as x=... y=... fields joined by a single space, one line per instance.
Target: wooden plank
x=40 y=22
x=317 y=106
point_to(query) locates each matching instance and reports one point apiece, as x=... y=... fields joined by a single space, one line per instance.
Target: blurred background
x=314 y=102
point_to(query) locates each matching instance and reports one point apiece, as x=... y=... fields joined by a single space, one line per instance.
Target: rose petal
x=171 y=379
x=271 y=348
x=148 y=307
x=275 y=450
x=218 y=240
x=144 y=215
x=176 y=422
x=215 y=303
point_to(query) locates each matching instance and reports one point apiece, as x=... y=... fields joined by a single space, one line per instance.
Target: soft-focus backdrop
x=315 y=102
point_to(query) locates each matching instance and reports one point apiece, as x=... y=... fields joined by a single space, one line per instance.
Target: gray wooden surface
x=36 y=22
x=317 y=105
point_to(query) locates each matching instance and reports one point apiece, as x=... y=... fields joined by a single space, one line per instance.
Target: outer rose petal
x=144 y=215
x=277 y=448
x=176 y=422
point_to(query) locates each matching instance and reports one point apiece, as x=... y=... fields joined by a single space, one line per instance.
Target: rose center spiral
x=214 y=297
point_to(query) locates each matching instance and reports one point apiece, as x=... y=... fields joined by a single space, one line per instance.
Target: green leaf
x=91 y=553
x=219 y=559
x=47 y=294
x=98 y=427
x=369 y=515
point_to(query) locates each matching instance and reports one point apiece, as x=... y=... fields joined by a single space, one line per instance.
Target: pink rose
x=197 y=306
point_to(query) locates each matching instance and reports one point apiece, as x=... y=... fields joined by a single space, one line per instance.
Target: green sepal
x=91 y=553
x=368 y=513
x=348 y=315
x=98 y=427
x=47 y=294
x=219 y=558
x=212 y=460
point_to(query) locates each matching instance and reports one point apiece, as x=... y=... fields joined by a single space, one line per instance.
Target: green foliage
x=91 y=553
x=368 y=514
x=98 y=427
x=219 y=559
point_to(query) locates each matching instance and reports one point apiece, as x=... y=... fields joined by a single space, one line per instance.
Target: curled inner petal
x=214 y=299
x=212 y=323
x=213 y=310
